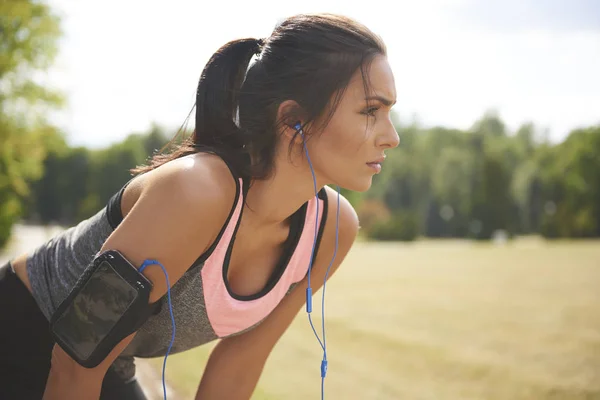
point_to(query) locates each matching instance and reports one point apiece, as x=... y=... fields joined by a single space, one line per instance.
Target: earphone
x=142 y=267
x=323 y=343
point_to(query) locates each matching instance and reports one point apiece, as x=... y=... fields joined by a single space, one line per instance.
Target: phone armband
x=108 y=303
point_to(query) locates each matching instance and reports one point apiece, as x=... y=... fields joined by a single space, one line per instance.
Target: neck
x=273 y=200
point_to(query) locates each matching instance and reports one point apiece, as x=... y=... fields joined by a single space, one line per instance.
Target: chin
x=361 y=185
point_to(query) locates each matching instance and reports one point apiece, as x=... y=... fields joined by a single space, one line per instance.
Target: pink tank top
x=228 y=313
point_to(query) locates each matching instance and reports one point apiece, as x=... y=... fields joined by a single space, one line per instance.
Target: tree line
x=439 y=182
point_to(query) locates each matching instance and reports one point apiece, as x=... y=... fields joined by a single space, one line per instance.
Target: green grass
x=442 y=320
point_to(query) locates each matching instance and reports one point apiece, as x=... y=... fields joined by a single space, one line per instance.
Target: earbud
x=298 y=128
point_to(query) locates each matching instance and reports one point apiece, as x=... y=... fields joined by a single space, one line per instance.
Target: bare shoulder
x=181 y=207
x=196 y=192
x=188 y=187
x=347 y=231
x=348 y=223
x=197 y=177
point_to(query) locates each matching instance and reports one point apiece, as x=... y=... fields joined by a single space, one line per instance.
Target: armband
x=108 y=303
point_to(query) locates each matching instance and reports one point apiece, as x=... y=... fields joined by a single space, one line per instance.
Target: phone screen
x=95 y=310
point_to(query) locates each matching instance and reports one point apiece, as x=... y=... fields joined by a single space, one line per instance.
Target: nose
x=388 y=138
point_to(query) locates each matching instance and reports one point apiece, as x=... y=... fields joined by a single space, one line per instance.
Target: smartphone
x=107 y=304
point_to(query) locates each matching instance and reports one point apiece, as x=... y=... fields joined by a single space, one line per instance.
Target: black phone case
x=133 y=318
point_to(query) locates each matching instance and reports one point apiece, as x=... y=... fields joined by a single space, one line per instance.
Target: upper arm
x=178 y=214
x=264 y=336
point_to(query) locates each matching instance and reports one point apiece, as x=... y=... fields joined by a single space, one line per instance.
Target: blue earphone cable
x=309 y=289
x=144 y=265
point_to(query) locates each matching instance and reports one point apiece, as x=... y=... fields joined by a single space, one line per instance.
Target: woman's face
x=351 y=148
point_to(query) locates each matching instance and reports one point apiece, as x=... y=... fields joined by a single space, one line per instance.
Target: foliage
x=78 y=182
x=439 y=183
x=483 y=180
x=29 y=32
x=400 y=226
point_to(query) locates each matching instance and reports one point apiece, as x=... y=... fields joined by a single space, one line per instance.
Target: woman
x=231 y=214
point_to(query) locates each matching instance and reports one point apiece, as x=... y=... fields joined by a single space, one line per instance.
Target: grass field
x=443 y=320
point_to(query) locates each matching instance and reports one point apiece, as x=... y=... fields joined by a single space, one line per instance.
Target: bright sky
x=126 y=64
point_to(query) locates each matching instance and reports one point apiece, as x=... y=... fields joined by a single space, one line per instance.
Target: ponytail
x=216 y=107
x=217 y=96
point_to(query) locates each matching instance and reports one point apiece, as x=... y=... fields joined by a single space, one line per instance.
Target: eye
x=371 y=111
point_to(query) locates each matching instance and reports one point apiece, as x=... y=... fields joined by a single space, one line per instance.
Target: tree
x=451 y=184
x=58 y=196
x=525 y=190
x=572 y=186
x=491 y=198
x=109 y=171
x=77 y=182
x=29 y=32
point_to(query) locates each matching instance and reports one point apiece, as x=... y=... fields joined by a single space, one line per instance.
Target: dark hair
x=308 y=58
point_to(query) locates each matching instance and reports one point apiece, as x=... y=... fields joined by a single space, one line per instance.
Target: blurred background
x=477 y=273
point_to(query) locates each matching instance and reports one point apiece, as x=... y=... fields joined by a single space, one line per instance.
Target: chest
x=256 y=257
x=203 y=311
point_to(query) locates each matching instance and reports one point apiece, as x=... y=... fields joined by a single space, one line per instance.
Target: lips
x=379 y=160
x=376 y=164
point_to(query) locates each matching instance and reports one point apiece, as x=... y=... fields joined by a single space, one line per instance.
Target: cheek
x=338 y=147
x=338 y=154
x=348 y=135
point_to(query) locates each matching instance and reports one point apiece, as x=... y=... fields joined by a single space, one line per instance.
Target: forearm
x=68 y=380
x=65 y=386
x=228 y=375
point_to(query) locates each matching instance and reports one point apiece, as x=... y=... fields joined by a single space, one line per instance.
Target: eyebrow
x=383 y=100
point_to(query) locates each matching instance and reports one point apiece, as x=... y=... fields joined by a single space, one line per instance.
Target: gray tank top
x=203 y=305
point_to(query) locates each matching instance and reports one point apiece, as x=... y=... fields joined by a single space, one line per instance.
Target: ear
x=289 y=114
